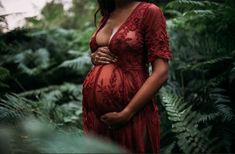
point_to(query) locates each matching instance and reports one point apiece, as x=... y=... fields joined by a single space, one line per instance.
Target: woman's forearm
x=147 y=91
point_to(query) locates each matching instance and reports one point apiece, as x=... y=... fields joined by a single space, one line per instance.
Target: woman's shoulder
x=153 y=15
x=152 y=8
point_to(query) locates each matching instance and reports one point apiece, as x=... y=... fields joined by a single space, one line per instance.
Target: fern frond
x=80 y=64
x=37 y=92
x=184 y=4
x=187 y=5
x=54 y=92
x=14 y=108
x=202 y=65
x=200 y=13
x=184 y=124
x=33 y=62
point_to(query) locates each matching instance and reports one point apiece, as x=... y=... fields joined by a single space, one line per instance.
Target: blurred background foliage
x=42 y=67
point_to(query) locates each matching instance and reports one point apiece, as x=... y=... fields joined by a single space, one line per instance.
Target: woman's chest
x=128 y=37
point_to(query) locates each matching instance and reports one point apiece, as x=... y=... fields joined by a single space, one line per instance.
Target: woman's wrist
x=128 y=112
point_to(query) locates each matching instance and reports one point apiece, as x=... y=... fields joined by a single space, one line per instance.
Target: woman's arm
x=144 y=95
x=154 y=82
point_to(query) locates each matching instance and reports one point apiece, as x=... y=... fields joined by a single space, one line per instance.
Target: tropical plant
x=201 y=83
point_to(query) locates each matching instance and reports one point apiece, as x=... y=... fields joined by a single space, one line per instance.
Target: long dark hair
x=105 y=7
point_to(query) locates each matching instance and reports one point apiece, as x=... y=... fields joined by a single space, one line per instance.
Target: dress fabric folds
x=140 y=40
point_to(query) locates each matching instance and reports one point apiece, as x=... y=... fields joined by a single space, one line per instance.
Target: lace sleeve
x=156 y=37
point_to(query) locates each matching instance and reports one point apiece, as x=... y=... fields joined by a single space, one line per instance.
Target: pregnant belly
x=110 y=88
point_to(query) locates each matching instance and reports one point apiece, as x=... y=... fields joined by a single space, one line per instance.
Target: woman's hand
x=113 y=119
x=103 y=56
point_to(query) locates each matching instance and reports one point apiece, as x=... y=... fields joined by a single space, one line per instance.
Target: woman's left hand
x=115 y=118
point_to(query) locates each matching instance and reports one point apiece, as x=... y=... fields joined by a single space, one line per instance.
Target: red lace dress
x=139 y=40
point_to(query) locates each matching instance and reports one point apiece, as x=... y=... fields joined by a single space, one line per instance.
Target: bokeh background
x=44 y=57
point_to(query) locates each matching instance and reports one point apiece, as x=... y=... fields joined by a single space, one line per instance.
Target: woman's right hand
x=103 y=56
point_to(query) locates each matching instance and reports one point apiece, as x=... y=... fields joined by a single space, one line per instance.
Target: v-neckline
x=119 y=28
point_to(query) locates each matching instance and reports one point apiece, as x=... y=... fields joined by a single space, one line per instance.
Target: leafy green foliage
x=39 y=136
x=190 y=139
x=36 y=59
x=200 y=93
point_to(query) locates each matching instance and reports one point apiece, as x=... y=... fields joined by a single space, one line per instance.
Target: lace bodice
x=140 y=39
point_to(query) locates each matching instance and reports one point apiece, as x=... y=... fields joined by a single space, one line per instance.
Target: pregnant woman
x=119 y=101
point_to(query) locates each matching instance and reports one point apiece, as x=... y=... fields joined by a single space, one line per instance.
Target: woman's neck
x=121 y=4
